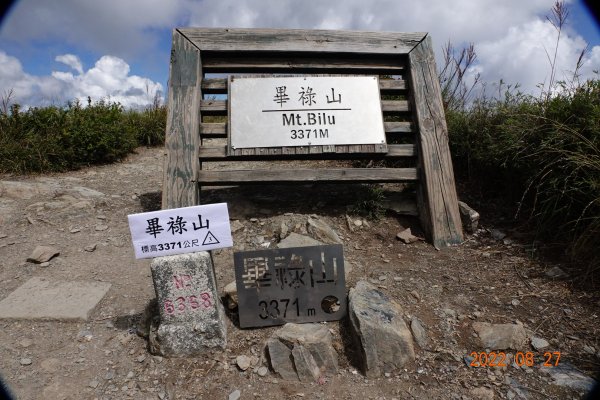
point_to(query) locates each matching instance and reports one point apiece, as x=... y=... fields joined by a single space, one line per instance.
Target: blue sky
x=55 y=51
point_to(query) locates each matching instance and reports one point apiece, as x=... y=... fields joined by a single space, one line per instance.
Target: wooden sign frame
x=418 y=113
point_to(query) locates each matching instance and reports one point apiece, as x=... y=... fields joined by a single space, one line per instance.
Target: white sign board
x=180 y=230
x=304 y=111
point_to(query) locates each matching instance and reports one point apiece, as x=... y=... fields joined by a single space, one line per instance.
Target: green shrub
x=60 y=139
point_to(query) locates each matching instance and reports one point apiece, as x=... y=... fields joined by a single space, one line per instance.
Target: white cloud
x=109 y=79
x=71 y=60
x=524 y=55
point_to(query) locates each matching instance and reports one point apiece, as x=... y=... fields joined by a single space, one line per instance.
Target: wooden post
x=182 y=137
x=438 y=202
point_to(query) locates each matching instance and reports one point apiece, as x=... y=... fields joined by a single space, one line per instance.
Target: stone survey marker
x=192 y=319
x=302 y=284
x=180 y=230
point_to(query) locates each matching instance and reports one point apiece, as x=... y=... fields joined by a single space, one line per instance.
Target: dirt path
x=484 y=279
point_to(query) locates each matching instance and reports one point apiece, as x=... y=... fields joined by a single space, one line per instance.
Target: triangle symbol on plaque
x=210 y=239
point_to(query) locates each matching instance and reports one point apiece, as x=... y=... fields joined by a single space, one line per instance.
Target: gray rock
x=25 y=361
x=556 y=273
x=406 y=236
x=566 y=375
x=90 y=248
x=243 y=362
x=320 y=230
x=85 y=192
x=316 y=338
x=482 y=393
x=305 y=364
x=192 y=319
x=469 y=217
x=280 y=358
x=296 y=240
x=262 y=371
x=539 y=343
x=501 y=336
x=497 y=234
x=376 y=321
x=419 y=333
x=19 y=190
x=236 y=226
x=235 y=395
x=53 y=300
x=43 y=254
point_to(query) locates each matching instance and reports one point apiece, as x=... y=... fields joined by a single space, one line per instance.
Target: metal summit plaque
x=302 y=284
x=304 y=111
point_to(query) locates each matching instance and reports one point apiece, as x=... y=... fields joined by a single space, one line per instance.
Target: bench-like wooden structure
x=411 y=103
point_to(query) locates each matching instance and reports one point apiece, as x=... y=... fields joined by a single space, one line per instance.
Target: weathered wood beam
x=212 y=130
x=297 y=40
x=356 y=175
x=219 y=153
x=438 y=202
x=182 y=138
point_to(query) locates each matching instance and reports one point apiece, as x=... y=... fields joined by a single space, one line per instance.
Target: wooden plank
x=219 y=107
x=300 y=64
x=219 y=153
x=355 y=175
x=398 y=127
x=438 y=202
x=389 y=106
x=219 y=130
x=212 y=130
x=182 y=137
x=296 y=40
x=219 y=86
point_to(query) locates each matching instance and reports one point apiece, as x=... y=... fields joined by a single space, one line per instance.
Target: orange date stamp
x=500 y=359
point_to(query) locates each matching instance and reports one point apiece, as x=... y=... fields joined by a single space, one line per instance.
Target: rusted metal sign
x=301 y=284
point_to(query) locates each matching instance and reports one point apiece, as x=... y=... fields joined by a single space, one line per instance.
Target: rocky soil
x=461 y=297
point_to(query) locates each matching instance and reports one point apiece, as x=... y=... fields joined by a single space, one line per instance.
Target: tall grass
x=63 y=138
x=538 y=154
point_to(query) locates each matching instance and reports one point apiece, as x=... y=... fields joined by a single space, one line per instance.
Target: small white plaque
x=305 y=111
x=180 y=230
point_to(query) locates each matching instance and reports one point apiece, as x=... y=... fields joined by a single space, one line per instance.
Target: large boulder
x=385 y=342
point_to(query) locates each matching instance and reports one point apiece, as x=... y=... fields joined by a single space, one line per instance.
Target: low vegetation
x=64 y=138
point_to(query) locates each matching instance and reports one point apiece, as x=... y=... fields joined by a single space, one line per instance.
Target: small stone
x=141 y=358
x=469 y=217
x=497 y=234
x=501 y=336
x=45 y=264
x=253 y=219
x=262 y=371
x=515 y=302
x=358 y=222
x=93 y=384
x=75 y=230
x=109 y=375
x=589 y=349
x=539 y=343
x=482 y=393
x=42 y=254
x=231 y=294
x=243 y=362
x=322 y=231
x=26 y=342
x=406 y=236
x=416 y=295
x=382 y=278
x=25 y=361
x=90 y=248
x=101 y=227
x=235 y=395
x=419 y=333
x=84 y=335
x=236 y=226
x=556 y=272
x=130 y=375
